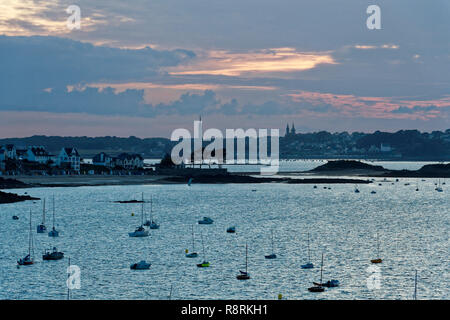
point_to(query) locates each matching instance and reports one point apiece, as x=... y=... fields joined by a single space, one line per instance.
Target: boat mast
x=29 y=238
x=378 y=246
x=151 y=208
x=415 y=287
x=142 y=210
x=203 y=245
x=246 y=257
x=193 y=242
x=321 y=267
x=309 y=254
x=43 y=213
x=53 y=211
x=68 y=286
x=272 y=242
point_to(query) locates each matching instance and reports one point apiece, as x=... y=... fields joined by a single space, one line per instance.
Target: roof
x=127 y=156
x=39 y=151
x=71 y=152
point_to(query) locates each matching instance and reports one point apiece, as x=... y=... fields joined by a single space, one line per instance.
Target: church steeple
x=287 y=129
x=292 y=129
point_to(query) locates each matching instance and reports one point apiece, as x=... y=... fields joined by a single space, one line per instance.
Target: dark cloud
x=32 y=64
x=415 y=109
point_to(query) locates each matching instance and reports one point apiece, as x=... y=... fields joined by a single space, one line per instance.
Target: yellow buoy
x=280 y=296
x=186 y=250
x=132 y=214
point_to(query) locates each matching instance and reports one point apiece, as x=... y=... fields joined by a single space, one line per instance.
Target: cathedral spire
x=287 y=129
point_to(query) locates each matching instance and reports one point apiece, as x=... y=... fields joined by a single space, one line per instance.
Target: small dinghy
x=53 y=255
x=373 y=192
x=141 y=265
x=231 y=229
x=15 y=217
x=206 y=220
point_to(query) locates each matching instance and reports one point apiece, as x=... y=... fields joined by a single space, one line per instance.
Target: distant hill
x=400 y=145
x=347 y=165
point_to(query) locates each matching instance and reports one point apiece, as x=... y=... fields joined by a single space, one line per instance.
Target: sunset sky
x=146 y=67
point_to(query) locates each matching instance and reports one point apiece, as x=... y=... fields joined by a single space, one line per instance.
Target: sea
x=408 y=229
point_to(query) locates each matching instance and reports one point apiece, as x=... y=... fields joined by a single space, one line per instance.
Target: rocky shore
x=12 y=197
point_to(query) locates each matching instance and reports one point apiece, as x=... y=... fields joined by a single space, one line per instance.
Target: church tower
x=292 y=129
x=287 y=129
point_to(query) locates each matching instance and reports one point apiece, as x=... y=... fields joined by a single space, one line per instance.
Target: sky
x=145 y=67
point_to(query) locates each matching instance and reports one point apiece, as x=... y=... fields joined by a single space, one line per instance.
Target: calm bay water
x=413 y=228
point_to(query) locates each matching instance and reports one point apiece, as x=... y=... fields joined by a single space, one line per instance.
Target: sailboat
x=192 y=254
x=41 y=228
x=308 y=265
x=140 y=231
x=53 y=232
x=439 y=188
x=356 y=189
x=318 y=287
x=153 y=224
x=244 y=275
x=28 y=260
x=205 y=263
x=272 y=255
x=378 y=260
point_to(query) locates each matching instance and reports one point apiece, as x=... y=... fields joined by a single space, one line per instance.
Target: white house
x=69 y=157
x=38 y=154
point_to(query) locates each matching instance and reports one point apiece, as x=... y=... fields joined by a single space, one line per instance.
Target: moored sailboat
x=308 y=265
x=28 y=259
x=41 y=228
x=205 y=262
x=272 y=255
x=318 y=287
x=244 y=275
x=192 y=254
x=53 y=232
x=377 y=260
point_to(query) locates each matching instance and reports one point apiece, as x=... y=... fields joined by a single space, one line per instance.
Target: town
x=38 y=161
x=42 y=155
